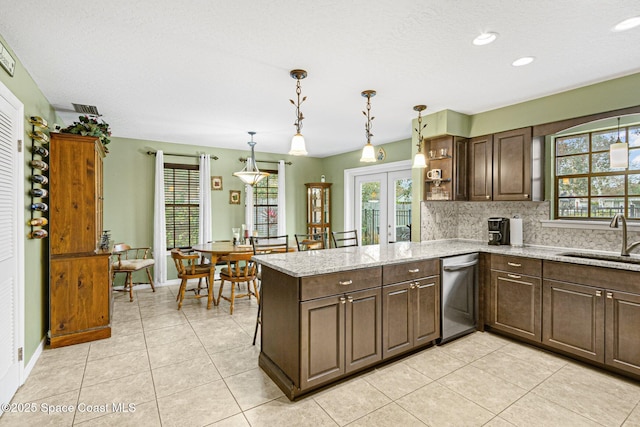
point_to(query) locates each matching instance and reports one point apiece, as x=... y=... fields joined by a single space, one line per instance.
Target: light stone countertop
x=309 y=263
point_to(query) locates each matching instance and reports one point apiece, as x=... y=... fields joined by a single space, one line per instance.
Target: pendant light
x=368 y=152
x=419 y=161
x=251 y=174
x=297 y=142
x=619 y=152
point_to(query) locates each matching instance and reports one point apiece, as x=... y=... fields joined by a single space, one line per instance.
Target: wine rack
x=39 y=178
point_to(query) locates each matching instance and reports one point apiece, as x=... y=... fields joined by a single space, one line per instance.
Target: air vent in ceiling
x=90 y=110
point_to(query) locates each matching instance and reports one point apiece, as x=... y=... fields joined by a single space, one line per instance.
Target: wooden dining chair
x=310 y=242
x=240 y=269
x=128 y=260
x=344 y=239
x=188 y=268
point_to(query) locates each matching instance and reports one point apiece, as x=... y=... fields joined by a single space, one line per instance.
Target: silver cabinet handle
x=513 y=264
x=350 y=299
x=345 y=282
x=488 y=197
x=415 y=270
x=514 y=276
x=343 y=300
x=610 y=295
x=598 y=293
x=413 y=285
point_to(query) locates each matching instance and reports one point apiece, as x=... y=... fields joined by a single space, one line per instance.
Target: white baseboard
x=32 y=362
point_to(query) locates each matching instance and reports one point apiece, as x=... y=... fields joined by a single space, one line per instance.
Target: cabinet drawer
x=410 y=270
x=520 y=265
x=338 y=283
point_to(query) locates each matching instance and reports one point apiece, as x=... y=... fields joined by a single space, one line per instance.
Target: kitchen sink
x=601 y=257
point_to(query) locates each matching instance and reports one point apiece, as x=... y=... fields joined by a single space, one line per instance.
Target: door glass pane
x=402 y=207
x=370 y=196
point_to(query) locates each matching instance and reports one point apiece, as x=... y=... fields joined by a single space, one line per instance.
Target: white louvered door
x=11 y=230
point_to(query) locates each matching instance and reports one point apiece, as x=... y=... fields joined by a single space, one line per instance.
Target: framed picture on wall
x=216 y=183
x=234 y=197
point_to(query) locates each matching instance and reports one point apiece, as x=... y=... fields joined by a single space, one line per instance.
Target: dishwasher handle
x=456 y=267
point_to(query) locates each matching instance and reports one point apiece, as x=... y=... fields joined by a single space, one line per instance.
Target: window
x=585 y=186
x=181 y=193
x=265 y=205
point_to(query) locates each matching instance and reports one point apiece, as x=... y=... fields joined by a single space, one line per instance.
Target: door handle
x=415 y=270
x=514 y=264
x=514 y=276
x=345 y=282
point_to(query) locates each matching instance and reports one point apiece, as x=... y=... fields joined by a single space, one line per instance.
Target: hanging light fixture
x=297 y=142
x=619 y=152
x=251 y=174
x=368 y=152
x=419 y=161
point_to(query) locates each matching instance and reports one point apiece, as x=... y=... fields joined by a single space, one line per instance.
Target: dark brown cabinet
x=448 y=154
x=411 y=308
x=79 y=283
x=622 y=319
x=500 y=166
x=515 y=296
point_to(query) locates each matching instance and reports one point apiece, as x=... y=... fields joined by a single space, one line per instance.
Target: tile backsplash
x=468 y=220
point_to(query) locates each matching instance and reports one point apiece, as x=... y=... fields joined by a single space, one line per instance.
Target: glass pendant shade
x=251 y=174
x=619 y=155
x=419 y=161
x=368 y=153
x=298 y=147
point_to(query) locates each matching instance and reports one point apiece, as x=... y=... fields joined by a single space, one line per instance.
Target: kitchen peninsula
x=331 y=313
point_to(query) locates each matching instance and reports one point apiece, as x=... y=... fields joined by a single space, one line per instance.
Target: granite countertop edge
x=310 y=263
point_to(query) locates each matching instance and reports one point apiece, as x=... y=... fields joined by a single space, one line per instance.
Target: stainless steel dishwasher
x=459 y=297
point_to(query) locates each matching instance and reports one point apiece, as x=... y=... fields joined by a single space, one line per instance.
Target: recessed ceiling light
x=525 y=60
x=485 y=38
x=627 y=24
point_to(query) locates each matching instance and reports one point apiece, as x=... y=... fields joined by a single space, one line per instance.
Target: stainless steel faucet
x=614 y=224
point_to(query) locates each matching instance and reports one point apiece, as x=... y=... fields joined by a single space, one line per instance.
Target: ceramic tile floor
x=197 y=367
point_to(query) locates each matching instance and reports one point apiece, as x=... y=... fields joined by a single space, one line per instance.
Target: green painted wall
x=129 y=186
x=333 y=168
x=36 y=293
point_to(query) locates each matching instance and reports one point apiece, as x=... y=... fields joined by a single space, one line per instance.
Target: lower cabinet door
x=322 y=325
x=516 y=304
x=623 y=331
x=363 y=329
x=397 y=319
x=573 y=319
x=427 y=310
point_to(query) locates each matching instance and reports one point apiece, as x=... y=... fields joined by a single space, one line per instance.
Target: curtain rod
x=153 y=153
x=244 y=160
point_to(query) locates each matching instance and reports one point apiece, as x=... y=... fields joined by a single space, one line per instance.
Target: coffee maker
x=499 y=231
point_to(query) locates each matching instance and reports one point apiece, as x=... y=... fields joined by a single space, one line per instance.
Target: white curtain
x=282 y=205
x=159 y=224
x=248 y=208
x=204 y=219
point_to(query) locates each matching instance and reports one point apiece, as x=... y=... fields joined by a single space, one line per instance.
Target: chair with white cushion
x=128 y=260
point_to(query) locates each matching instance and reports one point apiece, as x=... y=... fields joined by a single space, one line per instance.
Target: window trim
x=272 y=173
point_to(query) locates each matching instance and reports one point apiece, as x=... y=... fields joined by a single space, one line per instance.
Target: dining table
x=217 y=250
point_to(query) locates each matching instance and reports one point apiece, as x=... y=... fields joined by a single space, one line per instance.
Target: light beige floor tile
x=238 y=420
x=44 y=382
x=535 y=356
x=469 y=348
x=52 y=358
x=129 y=327
x=348 y=402
x=158 y=337
x=195 y=313
x=535 y=410
x=389 y=415
x=54 y=411
x=397 y=380
x=498 y=422
x=134 y=389
x=523 y=373
x=252 y=388
x=305 y=412
x=597 y=395
x=176 y=352
x=232 y=362
x=434 y=363
x=163 y=321
x=183 y=376
x=116 y=345
x=125 y=311
x=226 y=339
x=436 y=405
x=111 y=368
x=199 y=406
x=488 y=391
x=142 y=415
x=633 y=420
x=159 y=309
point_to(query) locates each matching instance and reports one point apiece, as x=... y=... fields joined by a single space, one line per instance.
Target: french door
x=11 y=249
x=383 y=207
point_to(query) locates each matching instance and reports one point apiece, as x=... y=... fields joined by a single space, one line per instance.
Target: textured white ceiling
x=207 y=71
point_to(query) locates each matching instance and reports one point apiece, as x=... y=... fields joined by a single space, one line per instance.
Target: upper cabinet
x=480 y=167
x=446 y=173
x=319 y=209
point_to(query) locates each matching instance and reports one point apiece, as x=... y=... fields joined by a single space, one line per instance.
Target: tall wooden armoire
x=79 y=272
x=319 y=210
